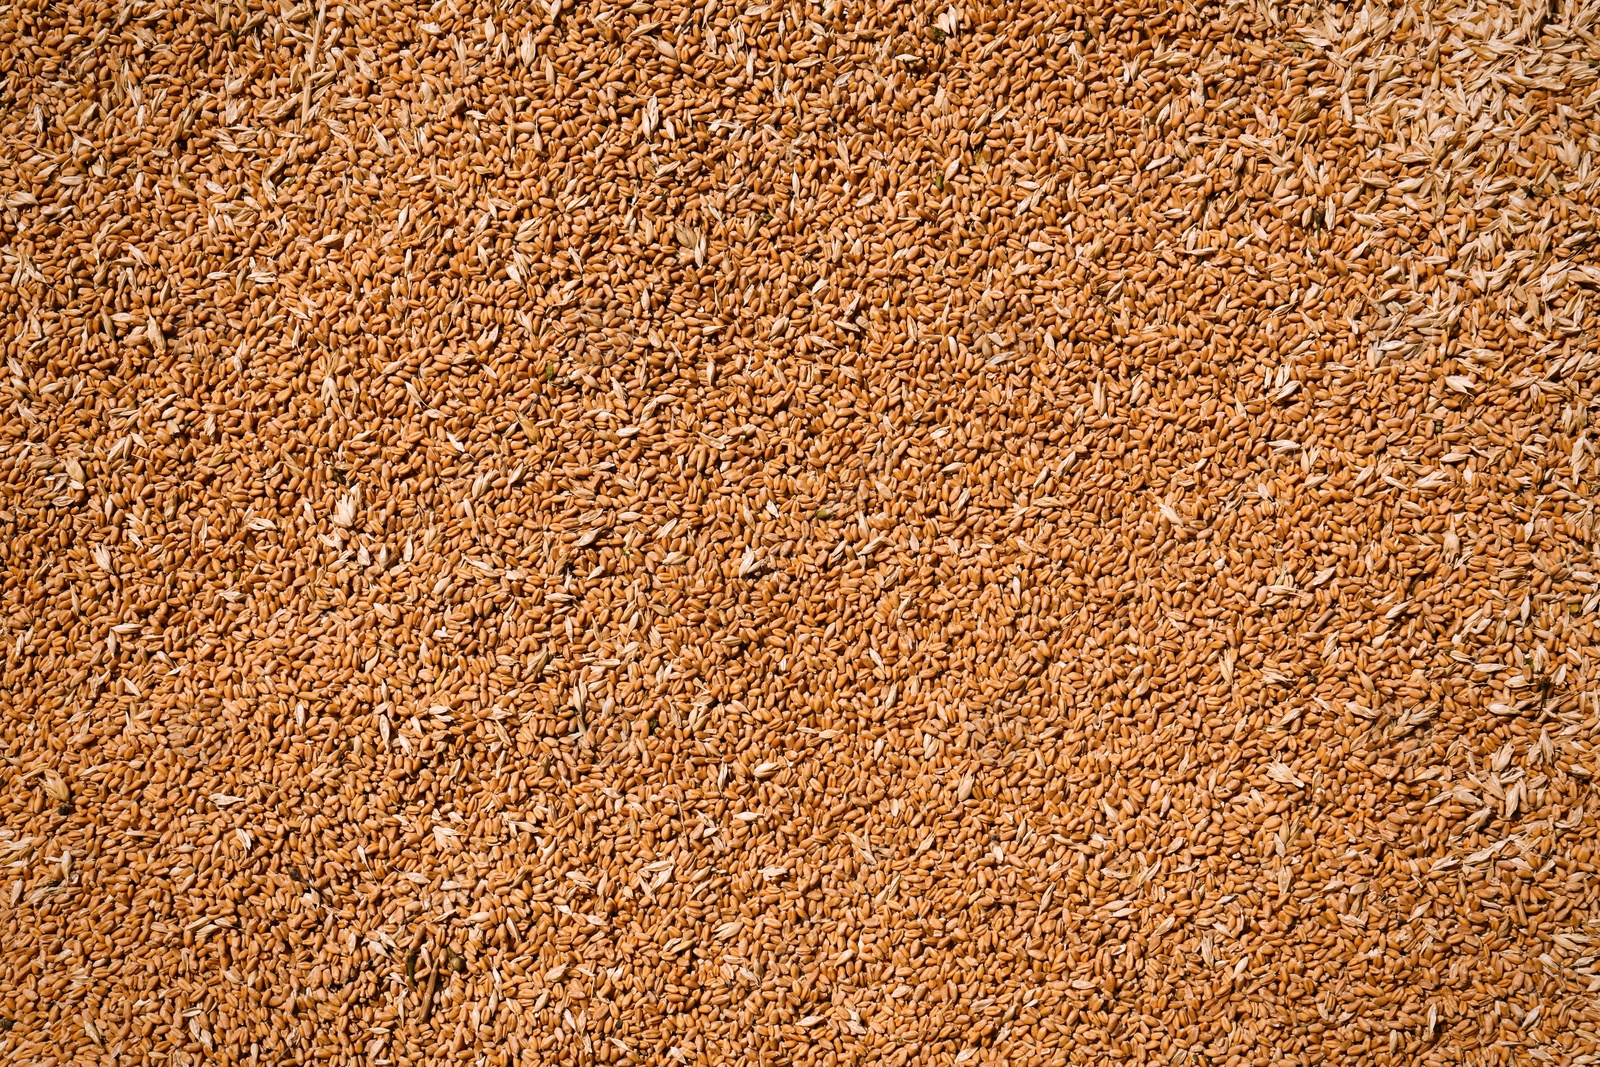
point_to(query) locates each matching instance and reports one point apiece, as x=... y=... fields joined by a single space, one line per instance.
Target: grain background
x=793 y=534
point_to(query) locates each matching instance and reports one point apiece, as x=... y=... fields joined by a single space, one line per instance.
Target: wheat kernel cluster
x=804 y=534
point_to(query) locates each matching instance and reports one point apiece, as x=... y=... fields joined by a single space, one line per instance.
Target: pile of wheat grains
x=788 y=534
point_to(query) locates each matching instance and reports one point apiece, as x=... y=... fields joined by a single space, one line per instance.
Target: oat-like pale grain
x=797 y=534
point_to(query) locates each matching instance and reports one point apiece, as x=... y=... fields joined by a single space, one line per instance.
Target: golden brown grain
x=921 y=534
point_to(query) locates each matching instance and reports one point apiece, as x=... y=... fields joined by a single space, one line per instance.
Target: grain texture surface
x=798 y=534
